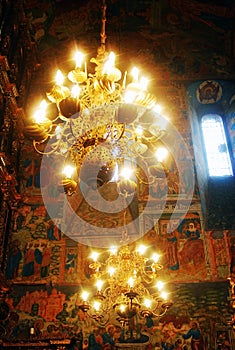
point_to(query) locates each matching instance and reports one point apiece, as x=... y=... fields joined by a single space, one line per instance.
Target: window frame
x=228 y=140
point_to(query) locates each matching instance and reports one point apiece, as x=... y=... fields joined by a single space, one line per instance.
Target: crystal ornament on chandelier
x=98 y=120
x=128 y=285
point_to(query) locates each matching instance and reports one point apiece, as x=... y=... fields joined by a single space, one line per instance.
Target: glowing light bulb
x=78 y=58
x=155 y=257
x=99 y=284
x=143 y=83
x=97 y=305
x=43 y=105
x=147 y=303
x=131 y=282
x=113 y=250
x=122 y=307
x=59 y=78
x=157 y=108
x=135 y=74
x=161 y=153
x=68 y=171
x=94 y=256
x=111 y=271
x=141 y=249
x=85 y=295
x=109 y=64
x=39 y=115
x=75 y=91
x=126 y=172
x=111 y=58
x=164 y=295
x=159 y=285
x=139 y=130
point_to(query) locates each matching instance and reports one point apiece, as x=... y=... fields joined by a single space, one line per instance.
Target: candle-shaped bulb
x=126 y=172
x=40 y=113
x=139 y=130
x=68 y=171
x=147 y=303
x=161 y=153
x=78 y=59
x=141 y=249
x=97 y=305
x=112 y=58
x=159 y=285
x=111 y=271
x=122 y=307
x=113 y=250
x=59 y=78
x=164 y=295
x=43 y=105
x=157 y=108
x=94 y=256
x=75 y=91
x=99 y=285
x=143 y=83
x=85 y=296
x=155 y=257
x=131 y=282
x=135 y=75
x=109 y=64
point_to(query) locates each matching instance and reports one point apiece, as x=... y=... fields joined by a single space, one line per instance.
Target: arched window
x=216 y=147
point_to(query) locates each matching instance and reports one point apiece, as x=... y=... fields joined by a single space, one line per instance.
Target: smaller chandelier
x=128 y=287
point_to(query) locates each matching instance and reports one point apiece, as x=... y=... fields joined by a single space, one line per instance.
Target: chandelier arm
x=151 y=179
x=161 y=307
x=43 y=152
x=85 y=99
x=158 y=315
x=67 y=132
x=122 y=132
x=71 y=128
x=142 y=290
x=54 y=146
x=148 y=278
x=145 y=157
x=35 y=145
x=101 y=319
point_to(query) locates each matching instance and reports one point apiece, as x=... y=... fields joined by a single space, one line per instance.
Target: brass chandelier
x=99 y=121
x=128 y=288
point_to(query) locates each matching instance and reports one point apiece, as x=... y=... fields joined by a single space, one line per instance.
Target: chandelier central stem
x=125 y=237
x=102 y=33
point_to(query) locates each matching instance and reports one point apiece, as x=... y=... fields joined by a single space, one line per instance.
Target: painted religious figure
x=197 y=340
x=14 y=259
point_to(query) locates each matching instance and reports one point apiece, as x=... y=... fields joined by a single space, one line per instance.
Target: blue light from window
x=217 y=153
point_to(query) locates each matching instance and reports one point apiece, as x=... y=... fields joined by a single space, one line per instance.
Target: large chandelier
x=128 y=288
x=98 y=121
